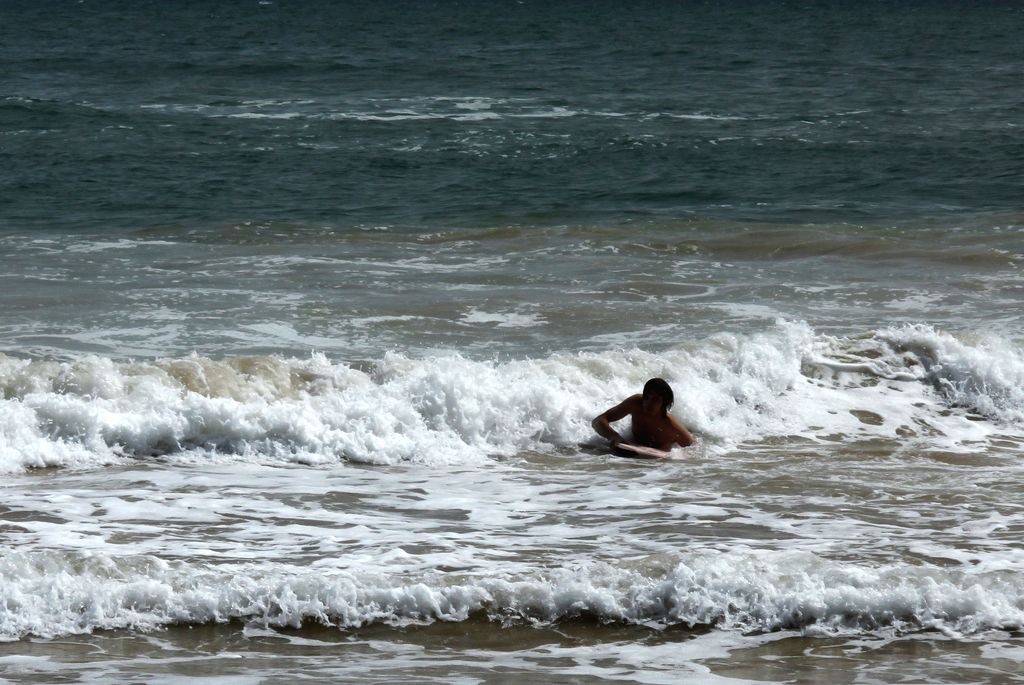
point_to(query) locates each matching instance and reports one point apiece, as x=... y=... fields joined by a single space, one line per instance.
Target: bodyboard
x=638 y=451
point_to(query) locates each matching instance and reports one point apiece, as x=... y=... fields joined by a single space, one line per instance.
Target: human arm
x=681 y=436
x=602 y=424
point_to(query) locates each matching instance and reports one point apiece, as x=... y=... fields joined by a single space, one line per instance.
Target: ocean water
x=305 y=310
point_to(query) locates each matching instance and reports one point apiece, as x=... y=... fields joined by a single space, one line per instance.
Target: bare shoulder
x=676 y=423
x=634 y=404
x=683 y=436
x=626 y=407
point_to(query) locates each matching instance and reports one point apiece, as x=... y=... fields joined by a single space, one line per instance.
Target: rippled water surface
x=305 y=311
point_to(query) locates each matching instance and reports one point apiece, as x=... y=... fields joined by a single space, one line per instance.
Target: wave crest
x=787 y=381
x=51 y=594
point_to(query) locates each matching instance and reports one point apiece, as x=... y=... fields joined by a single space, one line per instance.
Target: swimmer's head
x=660 y=389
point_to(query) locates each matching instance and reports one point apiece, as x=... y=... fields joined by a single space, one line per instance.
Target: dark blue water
x=119 y=115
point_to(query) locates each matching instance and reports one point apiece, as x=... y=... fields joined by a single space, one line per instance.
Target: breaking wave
x=910 y=382
x=51 y=594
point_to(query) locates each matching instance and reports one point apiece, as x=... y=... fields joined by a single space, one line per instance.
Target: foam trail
x=50 y=594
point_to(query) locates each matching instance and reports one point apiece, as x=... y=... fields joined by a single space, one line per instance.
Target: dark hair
x=658 y=386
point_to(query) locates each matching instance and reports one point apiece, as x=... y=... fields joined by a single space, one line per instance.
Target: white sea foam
x=702 y=117
x=263 y=115
x=502 y=319
x=907 y=383
x=985 y=374
x=50 y=593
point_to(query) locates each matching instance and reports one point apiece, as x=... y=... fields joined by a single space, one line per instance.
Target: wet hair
x=659 y=387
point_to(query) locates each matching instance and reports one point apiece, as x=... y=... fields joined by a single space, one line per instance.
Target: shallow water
x=473 y=652
x=306 y=310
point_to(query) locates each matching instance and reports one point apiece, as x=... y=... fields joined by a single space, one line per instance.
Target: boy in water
x=653 y=426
